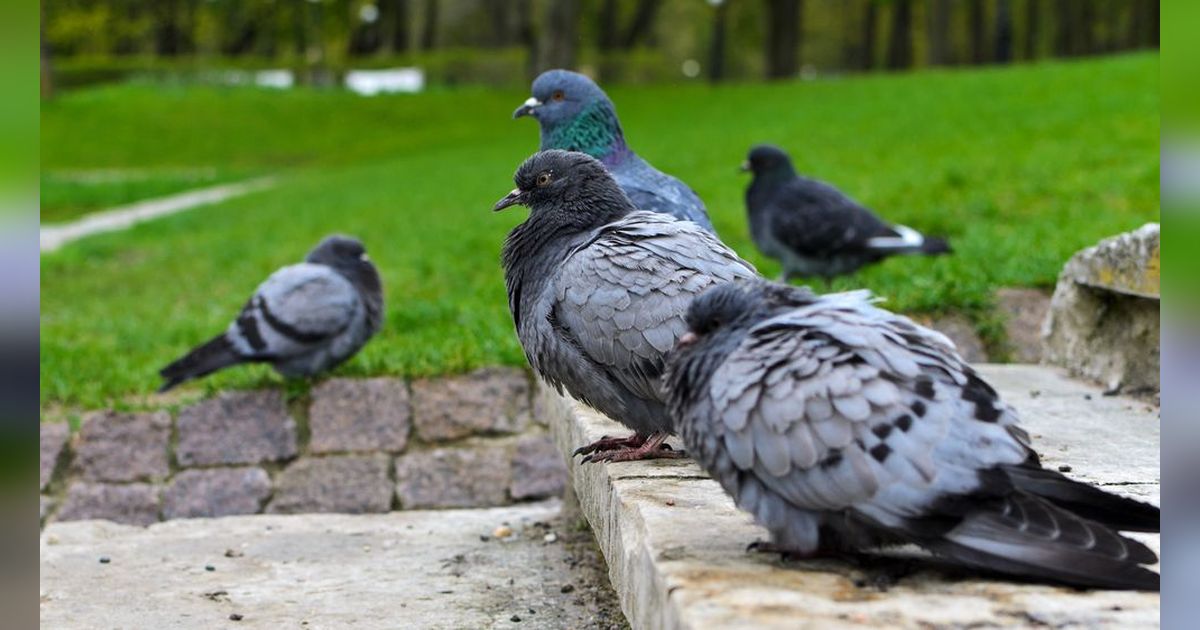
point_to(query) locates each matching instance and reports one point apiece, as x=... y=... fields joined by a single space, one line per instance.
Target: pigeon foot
x=607 y=443
x=653 y=447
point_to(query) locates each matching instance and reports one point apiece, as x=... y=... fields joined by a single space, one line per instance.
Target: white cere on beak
x=532 y=102
x=363 y=257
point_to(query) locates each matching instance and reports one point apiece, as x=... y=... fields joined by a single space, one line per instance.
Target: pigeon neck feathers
x=594 y=131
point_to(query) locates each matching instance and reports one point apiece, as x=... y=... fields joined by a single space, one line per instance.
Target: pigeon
x=304 y=319
x=815 y=230
x=598 y=291
x=841 y=426
x=576 y=115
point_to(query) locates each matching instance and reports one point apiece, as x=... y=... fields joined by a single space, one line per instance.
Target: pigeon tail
x=906 y=240
x=934 y=246
x=204 y=359
x=1025 y=535
x=1085 y=500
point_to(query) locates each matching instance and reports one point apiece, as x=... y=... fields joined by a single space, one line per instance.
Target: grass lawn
x=1019 y=167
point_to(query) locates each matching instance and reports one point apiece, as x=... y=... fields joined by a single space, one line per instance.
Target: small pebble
x=504 y=531
x=233 y=553
x=1064 y=468
x=567 y=588
x=1087 y=396
x=484 y=538
x=51 y=539
x=1034 y=393
x=105 y=560
x=515 y=618
x=235 y=617
x=209 y=567
x=551 y=537
x=670 y=502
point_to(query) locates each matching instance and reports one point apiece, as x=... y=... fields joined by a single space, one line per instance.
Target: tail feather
x=1025 y=535
x=905 y=240
x=1085 y=500
x=934 y=246
x=212 y=355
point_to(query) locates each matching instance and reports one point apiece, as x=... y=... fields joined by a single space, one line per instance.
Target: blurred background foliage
x=506 y=42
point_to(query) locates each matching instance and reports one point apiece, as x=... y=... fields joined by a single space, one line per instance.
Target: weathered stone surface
x=45 y=506
x=52 y=440
x=114 y=446
x=487 y=401
x=131 y=504
x=548 y=406
x=1104 y=316
x=537 y=469
x=1127 y=263
x=1024 y=312
x=216 y=492
x=471 y=476
x=236 y=428
x=961 y=331
x=675 y=543
x=351 y=484
x=321 y=571
x=359 y=415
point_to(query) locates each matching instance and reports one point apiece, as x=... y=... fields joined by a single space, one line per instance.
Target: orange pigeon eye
x=558 y=95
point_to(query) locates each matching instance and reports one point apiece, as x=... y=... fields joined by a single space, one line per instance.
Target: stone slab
x=676 y=544
x=216 y=492
x=1127 y=263
x=537 y=470
x=236 y=428
x=131 y=504
x=370 y=414
x=485 y=402
x=1024 y=313
x=115 y=446
x=415 y=569
x=472 y=476
x=53 y=437
x=352 y=484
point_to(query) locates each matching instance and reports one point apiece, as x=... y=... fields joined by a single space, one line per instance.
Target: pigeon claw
x=607 y=443
x=651 y=447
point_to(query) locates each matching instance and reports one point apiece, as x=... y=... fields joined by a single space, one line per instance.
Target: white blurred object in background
x=390 y=80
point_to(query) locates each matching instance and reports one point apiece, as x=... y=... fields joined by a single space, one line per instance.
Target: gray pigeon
x=304 y=319
x=576 y=115
x=815 y=230
x=841 y=426
x=598 y=291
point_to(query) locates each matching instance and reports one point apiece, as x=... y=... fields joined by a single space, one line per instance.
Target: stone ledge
x=676 y=545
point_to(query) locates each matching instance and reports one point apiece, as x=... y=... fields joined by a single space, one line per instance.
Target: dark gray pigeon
x=815 y=230
x=841 y=426
x=576 y=115
x=304 y=319
x=598 y=290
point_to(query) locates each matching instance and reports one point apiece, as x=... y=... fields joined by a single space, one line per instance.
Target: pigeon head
x=718 y=307
x=766 y=159
x=567 y=186
x=574 y=115
x=337 y=250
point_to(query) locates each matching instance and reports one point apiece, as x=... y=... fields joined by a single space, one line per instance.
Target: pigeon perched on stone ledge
x=842 y=426
x=815 y=230
x=598 y=291
x=576 y=115
x=304 y=319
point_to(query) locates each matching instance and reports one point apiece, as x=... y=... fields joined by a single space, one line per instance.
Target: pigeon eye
x=543 y=179
x=558 y=95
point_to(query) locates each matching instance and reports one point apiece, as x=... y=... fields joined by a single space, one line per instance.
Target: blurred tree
x=429 y=25
x=560 y=37
x=900 y=46
x=716 y=51
x=1064 y=44
x=47 y=70
x=1033 y=26
x=870 y=18
x=1004 y=31
x=642 y=25
x=783 y=38
x=976 y=33
x=396 y=14
x=939 y=32
x=527 y=35
x=606 y=39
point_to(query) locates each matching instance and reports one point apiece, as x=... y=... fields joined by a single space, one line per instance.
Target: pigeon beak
x=745 y=167
x=686 y=339
x=511 y=199
x=526 y=108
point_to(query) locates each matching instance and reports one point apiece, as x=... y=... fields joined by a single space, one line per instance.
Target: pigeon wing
x=296 y=308
x=814 y=218
x=620 y=296
x=654 y=191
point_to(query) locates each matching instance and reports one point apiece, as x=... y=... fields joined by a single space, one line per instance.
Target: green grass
x=69 y=194
x=1020 y=167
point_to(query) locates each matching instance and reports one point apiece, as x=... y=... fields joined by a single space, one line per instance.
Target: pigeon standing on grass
x=815 y=230
x=576 y=115
x=841 y=426
x=598 y=291
x=304 y=319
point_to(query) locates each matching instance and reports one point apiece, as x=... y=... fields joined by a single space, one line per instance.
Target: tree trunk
x=1004 y=31
x=606 y=39
x=1086 y=27
x=1152 y=11
x=939 y=32
x=783 y=38
x=561 y=34
x=716 y=50
x=47 y=66
x=429 y=26
x=976 y=33
x=642 y=25
x=870 y=19
x=1062 y=28
x=498 y=14
x=398 y=18
x=166 y=28
x=900 y=53
x=527 y=36
x=1032 y=28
